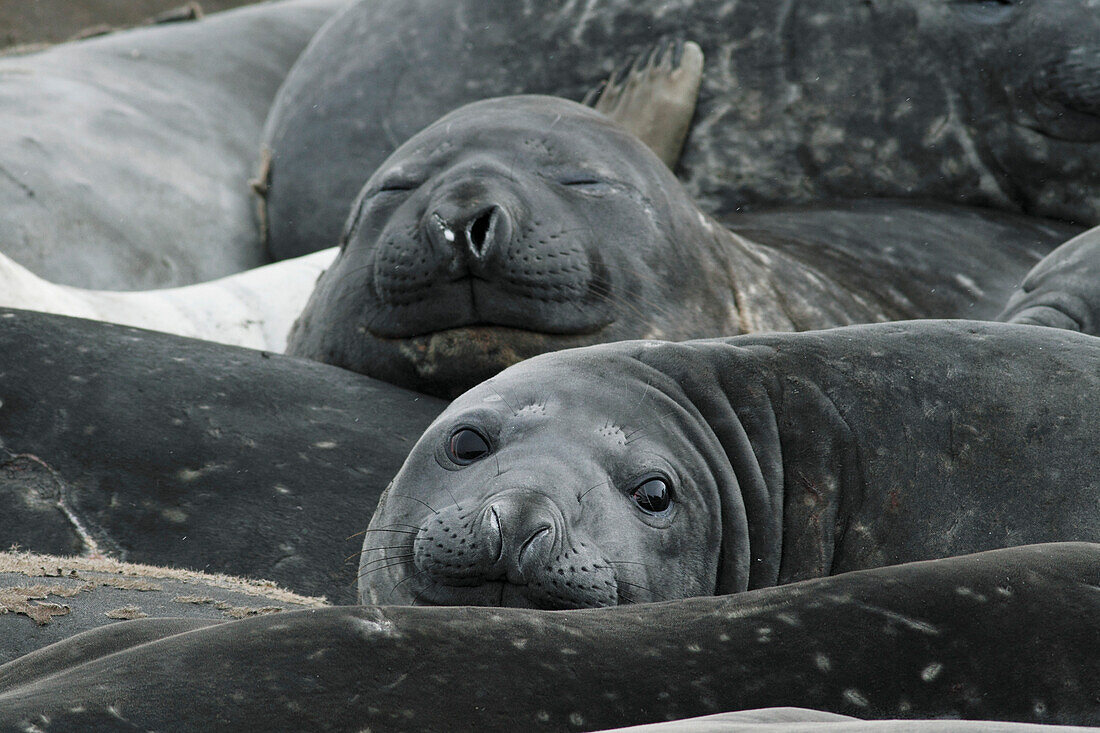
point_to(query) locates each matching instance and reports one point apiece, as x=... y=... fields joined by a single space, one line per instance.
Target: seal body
x=645 y=471
x=1063 y=290
x=126 y=158
x=528 y=224
x=980 y=103
x=926 y=640
x=163 y=450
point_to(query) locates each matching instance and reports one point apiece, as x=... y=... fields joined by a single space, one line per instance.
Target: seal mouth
x=492 y=593
x=473 y=301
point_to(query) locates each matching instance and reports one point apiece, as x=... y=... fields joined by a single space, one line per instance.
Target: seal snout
x=522 y=527
x=471 y=224
x=518 y=540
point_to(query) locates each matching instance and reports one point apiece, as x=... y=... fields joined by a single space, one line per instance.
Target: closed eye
x=587 y=184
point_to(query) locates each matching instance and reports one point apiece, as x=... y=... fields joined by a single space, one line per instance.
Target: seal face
x=541 y=496
x=649 y=470
x=507 y=228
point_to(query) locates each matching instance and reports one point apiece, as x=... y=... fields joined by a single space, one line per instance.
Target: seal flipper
x=1063 y=290
x=654 y=96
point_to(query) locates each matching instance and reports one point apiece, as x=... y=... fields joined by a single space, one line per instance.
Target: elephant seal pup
x=168 y=451
x=1063 y=290
x=44 y=599
x=978 y=102
x=1004 y=635
x=643 y=471
x=527 y=224
x=254 y=308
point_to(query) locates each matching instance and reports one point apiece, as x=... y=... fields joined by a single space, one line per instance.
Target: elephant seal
x=45 y=599
x=925 y=640
x=125 y=159
x=1063 y=290
x=254 y=308
x=645 y=470
x=527 y=224
x=983 y=103
x=163 y=450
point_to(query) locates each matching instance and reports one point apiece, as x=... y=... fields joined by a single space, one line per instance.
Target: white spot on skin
x=519 y=643
x=822 y=662
x=970 y=593
x=693 y=648
x=281 y=489
x=448 y=235
x=542 y=716
x=969 y=284
x=855 y=697
x=325 y=445
x=174 y=515
x=491 y=398
x=576 y=719
x=931 y=672
x=368 y=628
x=788 y=618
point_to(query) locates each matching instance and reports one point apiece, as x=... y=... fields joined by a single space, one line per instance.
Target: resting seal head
x=508 y=228
x=534 y=489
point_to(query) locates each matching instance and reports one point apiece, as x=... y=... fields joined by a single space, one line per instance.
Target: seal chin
x=448 y=362
x=504 y=594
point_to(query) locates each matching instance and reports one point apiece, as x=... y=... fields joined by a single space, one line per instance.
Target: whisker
x=362 y=532
x=387 y=558
x=585 y=493
x=406 y=579
x=642 y=587
x=383 y=567
x=376 y=549
x=419 y=501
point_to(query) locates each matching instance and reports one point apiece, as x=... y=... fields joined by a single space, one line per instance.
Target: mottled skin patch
x=348 y=668
x=788 y=456
x=983 y=103
x=470 y=250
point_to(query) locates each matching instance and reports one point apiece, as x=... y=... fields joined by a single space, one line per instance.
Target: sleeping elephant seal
x=527 y=224
x=1063 y=290
x=125 y=159
x=647 y=470
x=984 y=102
x=1005 y=635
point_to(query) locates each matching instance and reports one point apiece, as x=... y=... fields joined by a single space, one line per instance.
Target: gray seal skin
x=1063 y=290
x=125 y=159
x=985 y=103
x=164 y=450
x=527 y=224
x=1004 y=635
x=644 y=471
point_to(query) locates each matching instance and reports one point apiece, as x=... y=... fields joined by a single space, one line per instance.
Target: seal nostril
x=531 y=540
x=478 y=231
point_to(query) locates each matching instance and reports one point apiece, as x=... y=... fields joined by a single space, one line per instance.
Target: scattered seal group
x=851 y=519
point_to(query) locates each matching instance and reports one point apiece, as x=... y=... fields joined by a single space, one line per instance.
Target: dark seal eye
x=652 y=496
x=467 y=446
